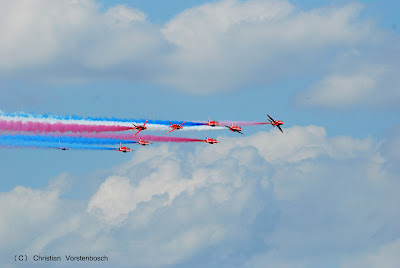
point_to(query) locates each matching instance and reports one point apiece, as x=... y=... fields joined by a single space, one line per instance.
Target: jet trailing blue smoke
x=62 y=139
x=51 y=145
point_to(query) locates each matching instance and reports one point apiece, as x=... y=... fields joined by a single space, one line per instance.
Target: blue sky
x=328 y=69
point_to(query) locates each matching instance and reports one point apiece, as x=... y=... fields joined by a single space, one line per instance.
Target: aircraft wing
x=171 y=130
x=272 y=120
x=137 y=132
x=280 y=128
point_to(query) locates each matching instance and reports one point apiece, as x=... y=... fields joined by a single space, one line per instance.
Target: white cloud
x=386 y=256
x=297 y=199
x=344 y=90
x=215 y=47
x=40 y=216
x=21 y=206
x=67 y=38
x=363 y=76
x=371 y=86
x=305 y=199
x=316 y=190
x=122 y=14
x=233 y=43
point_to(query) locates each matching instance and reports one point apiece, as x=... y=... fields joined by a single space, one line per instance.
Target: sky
x=323 y=193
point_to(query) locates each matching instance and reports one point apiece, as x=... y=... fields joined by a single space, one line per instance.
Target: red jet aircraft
x=123 y=149
x=235 y=129
x=210 y=140
x=275 y=123
x=212 y=123
x=175 y=126
x=139 y=127
x=143 y=142
x=62 y=148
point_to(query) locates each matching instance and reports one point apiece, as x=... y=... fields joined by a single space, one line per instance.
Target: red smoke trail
x=241 y=123
x=237 y=123
x=38 y=127
x=130 y=137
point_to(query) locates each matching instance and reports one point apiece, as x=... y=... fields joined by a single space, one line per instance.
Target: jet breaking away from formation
x=275 y=123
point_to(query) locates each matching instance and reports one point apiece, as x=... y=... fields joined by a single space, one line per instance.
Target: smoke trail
x=136 y=138
x=242 y=123
x=50 y=145
x=119 y=124
x=94 y=119
x=64 y=139
x=38 y=127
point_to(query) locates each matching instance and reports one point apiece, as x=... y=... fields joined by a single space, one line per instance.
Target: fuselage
x=140 y=127
x=210 y=140
x=124 y=149
x=176 y=126
x=236 y=128
x=277 y=123
x=213 y=123
x=143 y=142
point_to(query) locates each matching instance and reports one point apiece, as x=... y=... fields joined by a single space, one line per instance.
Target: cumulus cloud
x=235 y=43
x=35 y=214
x=387 y=255
x=367 y=86
x=345 y=90
x=73 y=39
x=362 y=77
x=304 y=199
x=214 y=47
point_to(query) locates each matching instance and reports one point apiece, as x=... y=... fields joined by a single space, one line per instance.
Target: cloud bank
x=298 y=199
x=212 y=48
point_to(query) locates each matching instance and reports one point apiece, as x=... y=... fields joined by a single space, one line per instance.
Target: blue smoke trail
x=104 y=119
x=62 y=139
x=51 y=145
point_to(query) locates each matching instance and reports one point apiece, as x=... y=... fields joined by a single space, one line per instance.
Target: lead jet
x=139 y=127
x=175 y=126
x=275 y=122
x=210 y=140
x=235 y=129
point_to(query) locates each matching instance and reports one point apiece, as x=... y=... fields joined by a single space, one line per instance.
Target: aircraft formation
x=21 y=130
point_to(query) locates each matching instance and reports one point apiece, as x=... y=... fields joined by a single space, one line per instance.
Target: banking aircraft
x=235 y=129
x=275 y=122
x=139 y=127
x=175 y=126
